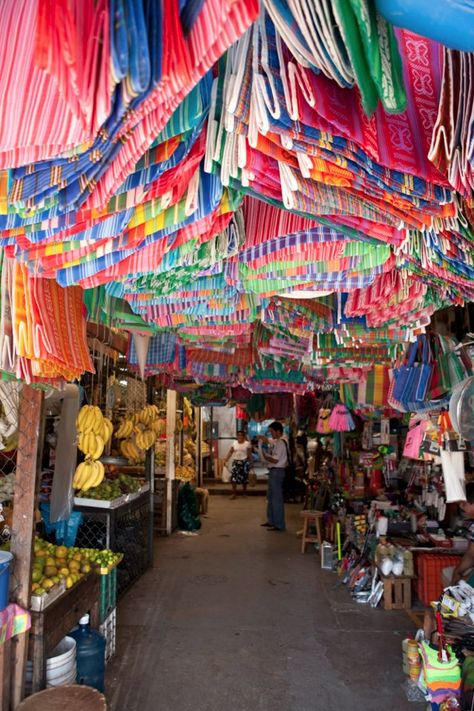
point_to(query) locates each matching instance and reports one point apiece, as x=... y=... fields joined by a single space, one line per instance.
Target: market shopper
x=277 y=457
x=241 y=455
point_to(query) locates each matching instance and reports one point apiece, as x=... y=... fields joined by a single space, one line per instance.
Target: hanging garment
x=452 y=464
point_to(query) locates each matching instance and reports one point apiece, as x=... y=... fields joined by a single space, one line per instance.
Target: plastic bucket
x=60 y=665
x=5 y=560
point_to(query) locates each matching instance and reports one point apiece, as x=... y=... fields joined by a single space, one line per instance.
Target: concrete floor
x=237 y=619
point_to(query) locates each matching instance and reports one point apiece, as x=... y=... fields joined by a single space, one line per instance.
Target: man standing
x=277 y=459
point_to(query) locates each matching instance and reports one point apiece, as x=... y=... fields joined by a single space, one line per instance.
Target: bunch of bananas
x=138 y=433
x=145 y=439
x=88 y=475
x=131 y=451
x=125 y=429
x=159 y=426
x=91 y=445
x=147 y=415
x=94 y=431
x=185 y=473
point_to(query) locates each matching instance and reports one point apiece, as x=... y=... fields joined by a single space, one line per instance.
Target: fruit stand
x=67 y=582
x=116 y=503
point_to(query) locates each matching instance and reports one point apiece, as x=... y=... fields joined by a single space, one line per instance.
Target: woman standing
x=241 y=455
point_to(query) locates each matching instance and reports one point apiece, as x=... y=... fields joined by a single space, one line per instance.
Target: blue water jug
x=90 y=655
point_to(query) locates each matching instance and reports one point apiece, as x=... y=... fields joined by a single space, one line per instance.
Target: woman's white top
x=241 y=451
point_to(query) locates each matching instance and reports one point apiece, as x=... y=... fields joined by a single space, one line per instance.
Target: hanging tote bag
x=404 y=373
x=451 y=368
x=436 y=388
x=419 y=377
x=414 y=440
x=416 y=375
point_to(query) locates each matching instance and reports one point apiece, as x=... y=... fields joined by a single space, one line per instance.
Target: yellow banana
x=91 y=476
x=100 y=473
x=88 y=443
x=77 y=475
x=99 y=448
x=82 y=474
x=88 y=422
x=107 y=429
x=97 y=475
x=98 y=421
x=124 y=429
x=81 y=416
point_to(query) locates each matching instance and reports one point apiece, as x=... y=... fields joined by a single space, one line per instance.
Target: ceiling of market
x=272 y=192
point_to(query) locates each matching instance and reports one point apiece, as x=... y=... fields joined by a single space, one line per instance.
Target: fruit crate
x=124 y=530
x=108 y=628
x=108 y=594
x=114 y=503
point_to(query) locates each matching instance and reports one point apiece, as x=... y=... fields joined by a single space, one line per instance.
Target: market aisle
x=236 y=618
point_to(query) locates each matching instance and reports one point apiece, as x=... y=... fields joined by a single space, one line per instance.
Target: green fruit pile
x=111 y=489
x=51 y=564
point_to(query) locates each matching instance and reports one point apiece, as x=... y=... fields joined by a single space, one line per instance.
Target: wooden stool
x=311 y=518
x=74 y=698
x=396 y=592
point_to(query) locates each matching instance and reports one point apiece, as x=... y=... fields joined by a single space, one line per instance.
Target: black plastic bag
x=188 y=509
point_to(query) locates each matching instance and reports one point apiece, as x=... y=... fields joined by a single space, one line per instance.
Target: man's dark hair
x=242 y=432
x=276 y=427
x=470 y=492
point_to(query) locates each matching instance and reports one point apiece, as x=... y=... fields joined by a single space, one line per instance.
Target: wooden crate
x=396 y=592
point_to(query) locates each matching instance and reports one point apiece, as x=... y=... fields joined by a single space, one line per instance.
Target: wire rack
x=123 y=530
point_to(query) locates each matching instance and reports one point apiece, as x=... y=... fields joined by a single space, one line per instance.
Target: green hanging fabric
x=373 y=51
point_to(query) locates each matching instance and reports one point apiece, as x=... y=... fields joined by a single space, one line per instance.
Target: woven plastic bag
x=134 y=395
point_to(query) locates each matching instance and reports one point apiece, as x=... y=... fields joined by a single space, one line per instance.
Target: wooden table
x=77 y=698
x=52 y=624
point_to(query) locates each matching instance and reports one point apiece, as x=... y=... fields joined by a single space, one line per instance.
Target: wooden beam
x=26 y=482
x=5 y=672
x=170 y=456
x=118 y=340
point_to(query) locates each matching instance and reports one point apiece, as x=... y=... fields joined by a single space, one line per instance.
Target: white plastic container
x=60 y=666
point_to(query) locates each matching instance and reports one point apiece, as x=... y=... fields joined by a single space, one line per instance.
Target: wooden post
x=5 y=671
x=170 y=456
x=26 y=481
x=199 y=424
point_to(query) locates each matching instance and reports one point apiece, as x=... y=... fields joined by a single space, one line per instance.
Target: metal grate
x=131 y=539
x=94 y=532
x=123 y=530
